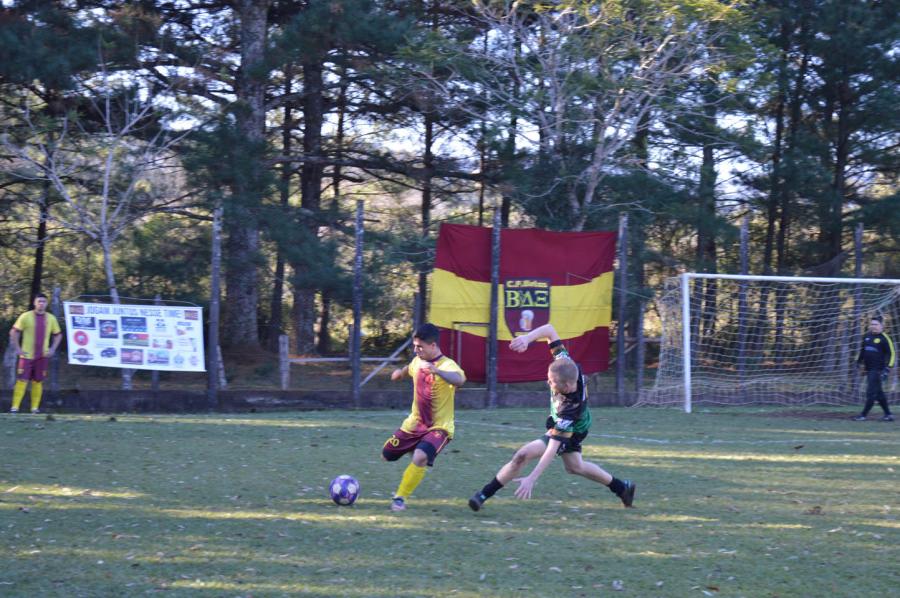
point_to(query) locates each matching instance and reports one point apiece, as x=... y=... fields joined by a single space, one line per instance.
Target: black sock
x=490 y=489
x=616 y=486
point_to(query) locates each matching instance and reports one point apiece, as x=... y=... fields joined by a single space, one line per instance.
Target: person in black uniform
x=876 y=355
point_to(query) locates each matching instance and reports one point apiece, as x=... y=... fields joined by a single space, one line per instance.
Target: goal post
x=743 y=339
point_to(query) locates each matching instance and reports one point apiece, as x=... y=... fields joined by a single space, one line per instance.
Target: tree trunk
x=311 y=200
x=37 y=273
x=242 y=247
x=276 y=320
x=428 y=163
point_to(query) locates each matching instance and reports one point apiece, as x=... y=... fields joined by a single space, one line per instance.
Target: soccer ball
x=344 y=490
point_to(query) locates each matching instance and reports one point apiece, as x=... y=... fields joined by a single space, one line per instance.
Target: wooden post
x=356 y=345
x=213 y=354
x=621 y=311
x=492 y=326
x=284 y=364
x=56 y=309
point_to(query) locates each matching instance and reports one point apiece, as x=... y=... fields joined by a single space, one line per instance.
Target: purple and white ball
x=344 y=490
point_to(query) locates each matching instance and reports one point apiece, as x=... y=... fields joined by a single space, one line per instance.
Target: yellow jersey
x=432 y=406
x=30 y=325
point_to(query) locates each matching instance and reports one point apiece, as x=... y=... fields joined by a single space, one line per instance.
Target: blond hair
x=564 y=370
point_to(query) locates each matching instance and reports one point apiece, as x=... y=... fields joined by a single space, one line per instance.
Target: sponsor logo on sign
x=109 y=329
x=191 y=314
x=81 y=337
x=76 y=309
x=136 y=339
x=108 y=352
x=82 y=355
x=85 y=322
x=526 y=304
x=158 y=357
x=162 y=343
x=133 y=356
x=178 y=360
x=134 y=324
x=160 y=326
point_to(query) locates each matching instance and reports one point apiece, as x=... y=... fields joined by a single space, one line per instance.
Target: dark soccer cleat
x=627 y=494
x=859 y=418
x=476 y=501
x=398 y=504
x=888 y=418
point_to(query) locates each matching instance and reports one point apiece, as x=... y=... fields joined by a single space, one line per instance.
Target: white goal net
x=742 y=340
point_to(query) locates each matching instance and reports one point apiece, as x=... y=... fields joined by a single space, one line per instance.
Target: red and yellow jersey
x=432 y=405
x=36 y=332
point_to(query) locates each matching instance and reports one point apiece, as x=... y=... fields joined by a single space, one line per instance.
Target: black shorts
x=572 y=444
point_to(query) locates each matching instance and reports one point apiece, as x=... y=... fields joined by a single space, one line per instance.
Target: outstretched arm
x=526 y=484
x=520 y=343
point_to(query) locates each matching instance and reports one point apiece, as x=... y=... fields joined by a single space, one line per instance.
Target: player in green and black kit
x=567 y=426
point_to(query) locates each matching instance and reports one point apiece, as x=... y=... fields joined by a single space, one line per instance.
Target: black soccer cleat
x=627 y=494
x=476 y=501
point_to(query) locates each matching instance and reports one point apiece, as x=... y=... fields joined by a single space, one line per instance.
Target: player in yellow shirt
x=31 y=337
x=429 y=426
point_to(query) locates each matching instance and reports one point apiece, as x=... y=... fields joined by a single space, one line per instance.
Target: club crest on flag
x=526 y=304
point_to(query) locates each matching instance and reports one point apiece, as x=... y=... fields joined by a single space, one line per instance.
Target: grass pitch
x=738 y=502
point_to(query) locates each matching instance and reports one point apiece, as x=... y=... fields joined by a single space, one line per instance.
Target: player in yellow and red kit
x=429 y=426
x=30 y=337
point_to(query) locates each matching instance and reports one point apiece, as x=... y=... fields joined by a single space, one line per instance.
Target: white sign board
x=138 y=337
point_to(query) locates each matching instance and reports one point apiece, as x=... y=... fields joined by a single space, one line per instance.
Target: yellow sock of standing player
x=37 y=389
x=412 y=477
x=18 y=393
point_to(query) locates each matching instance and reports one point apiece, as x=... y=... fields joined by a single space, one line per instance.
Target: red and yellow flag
x=562 y=278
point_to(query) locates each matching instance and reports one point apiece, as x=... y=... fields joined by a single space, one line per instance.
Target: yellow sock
x=37 y=388
x=412 y=477
x=18 y=393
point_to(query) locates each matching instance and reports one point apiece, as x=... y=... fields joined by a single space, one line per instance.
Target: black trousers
x=874 y=392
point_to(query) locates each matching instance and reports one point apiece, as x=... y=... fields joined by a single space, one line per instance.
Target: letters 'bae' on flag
x=562 y=278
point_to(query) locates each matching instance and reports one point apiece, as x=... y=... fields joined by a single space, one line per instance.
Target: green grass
x=736 y=502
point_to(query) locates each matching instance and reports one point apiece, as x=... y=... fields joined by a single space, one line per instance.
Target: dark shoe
x=398 y=504
x=627 y=494
x=476 y=501
x=888 y=418
x=859 y=418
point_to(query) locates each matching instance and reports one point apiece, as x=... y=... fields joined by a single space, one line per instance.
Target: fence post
x=284 y=364
x=621 y=311
x=492 y=326
x=9 y=366
x=220 y=365
x=154 y=375
x=356 y=339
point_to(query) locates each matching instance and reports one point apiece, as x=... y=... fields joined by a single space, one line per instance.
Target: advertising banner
x=564 y=278
x=139 y=337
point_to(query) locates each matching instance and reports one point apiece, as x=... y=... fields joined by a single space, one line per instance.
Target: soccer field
x=735 y=502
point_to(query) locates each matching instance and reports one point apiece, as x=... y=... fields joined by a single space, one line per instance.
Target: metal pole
x=357 y=304
x=154 y=375
x=686 y=338
x=622 y=308
x=742 y=299
x=492 y=326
